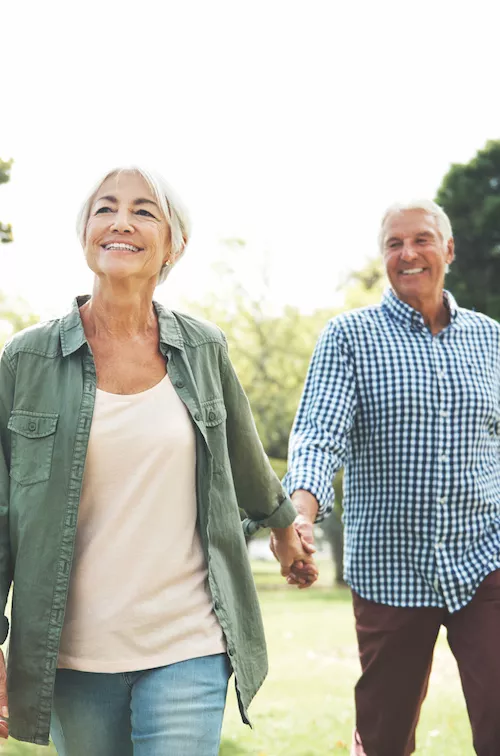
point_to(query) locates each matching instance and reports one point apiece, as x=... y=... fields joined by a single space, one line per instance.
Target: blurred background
x=287 y=127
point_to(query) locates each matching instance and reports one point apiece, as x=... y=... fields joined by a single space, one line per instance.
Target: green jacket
x=47 y=394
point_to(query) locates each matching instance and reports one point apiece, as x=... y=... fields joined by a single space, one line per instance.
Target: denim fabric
x=177 y=710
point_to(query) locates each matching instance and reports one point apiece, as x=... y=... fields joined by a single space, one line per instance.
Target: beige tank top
x=138 y=595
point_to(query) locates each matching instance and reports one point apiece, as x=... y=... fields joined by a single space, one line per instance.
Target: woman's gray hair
x=426 y=206
x=172 y=208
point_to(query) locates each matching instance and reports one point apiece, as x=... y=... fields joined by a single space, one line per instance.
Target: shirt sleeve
x=320 y=434
x=7 y=381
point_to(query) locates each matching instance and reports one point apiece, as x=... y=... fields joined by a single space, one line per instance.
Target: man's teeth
x=412 y=272
x=118 y=245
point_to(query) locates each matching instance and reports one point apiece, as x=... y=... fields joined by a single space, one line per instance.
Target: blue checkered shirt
x=415 y=421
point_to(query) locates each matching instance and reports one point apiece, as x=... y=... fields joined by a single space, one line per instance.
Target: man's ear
x=450 y=251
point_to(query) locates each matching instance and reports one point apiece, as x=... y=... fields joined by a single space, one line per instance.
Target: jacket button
x=179 y=384
x=32 y=426
x=211 y=415
x=197 y=416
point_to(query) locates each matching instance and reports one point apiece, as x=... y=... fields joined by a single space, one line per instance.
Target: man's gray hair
x=172 y=208
x=426 y=206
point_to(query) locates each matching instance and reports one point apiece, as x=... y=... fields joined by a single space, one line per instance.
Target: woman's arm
x=258 y=489
x=7 y=382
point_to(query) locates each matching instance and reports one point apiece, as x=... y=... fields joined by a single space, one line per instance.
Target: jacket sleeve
x=258 y=490
x=7 y=381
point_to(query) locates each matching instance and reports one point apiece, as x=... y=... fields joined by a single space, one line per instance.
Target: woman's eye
x=142 y=211
x=103 y=210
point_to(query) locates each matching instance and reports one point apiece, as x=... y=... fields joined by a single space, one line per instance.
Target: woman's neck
x=119 y=313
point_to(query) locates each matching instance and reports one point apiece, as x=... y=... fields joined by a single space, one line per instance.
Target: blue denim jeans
x=175 y=710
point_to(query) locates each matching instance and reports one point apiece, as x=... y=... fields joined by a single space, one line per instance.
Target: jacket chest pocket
x=214 y=417
x=32 y=446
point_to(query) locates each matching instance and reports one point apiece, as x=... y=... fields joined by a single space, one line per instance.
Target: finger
x=305 y=569
x=308 y=547
x=298 y=578
x=305 y=531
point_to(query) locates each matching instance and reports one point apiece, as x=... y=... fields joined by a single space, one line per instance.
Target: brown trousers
x=396 y=647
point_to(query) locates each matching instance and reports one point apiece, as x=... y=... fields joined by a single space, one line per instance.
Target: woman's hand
x=300 y=572
x=295 y=557
x=4 y=710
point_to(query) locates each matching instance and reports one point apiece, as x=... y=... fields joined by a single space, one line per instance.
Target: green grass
x=305 y=707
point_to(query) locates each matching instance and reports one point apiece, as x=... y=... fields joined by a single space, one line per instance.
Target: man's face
x=415 y=255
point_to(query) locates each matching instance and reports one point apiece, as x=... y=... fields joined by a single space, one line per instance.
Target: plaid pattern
x=415 y=421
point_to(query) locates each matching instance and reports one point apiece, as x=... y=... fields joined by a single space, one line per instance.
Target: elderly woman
x=127 y=450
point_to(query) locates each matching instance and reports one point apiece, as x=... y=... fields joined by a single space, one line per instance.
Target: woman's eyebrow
x=141 y=201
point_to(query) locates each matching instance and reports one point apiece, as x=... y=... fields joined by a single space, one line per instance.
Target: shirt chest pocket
x=214 y=417
x=32 y=446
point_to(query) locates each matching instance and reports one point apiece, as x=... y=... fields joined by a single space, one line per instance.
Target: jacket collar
x=410 y=318
x=73 y=335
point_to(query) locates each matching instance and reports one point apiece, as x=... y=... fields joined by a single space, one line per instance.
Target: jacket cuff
x=283 y=516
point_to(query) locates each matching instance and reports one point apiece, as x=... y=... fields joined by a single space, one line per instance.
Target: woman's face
x=126 y=234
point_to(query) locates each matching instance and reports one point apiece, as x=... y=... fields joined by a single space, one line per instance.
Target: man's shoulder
x=197 y=331
x=42 y=339
x=354 y=320
x=473 y=320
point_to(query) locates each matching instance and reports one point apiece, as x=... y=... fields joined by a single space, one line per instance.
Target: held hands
x=293 y=548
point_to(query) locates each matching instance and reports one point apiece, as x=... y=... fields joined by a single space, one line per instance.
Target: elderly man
x=406 y=396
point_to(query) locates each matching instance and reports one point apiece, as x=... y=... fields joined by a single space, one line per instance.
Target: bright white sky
x=289 y=124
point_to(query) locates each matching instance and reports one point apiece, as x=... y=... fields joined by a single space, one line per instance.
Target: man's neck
x=434 y=310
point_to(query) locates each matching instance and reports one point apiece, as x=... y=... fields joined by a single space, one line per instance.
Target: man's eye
x=421 y=241
x=142 y=211
x=103 y=210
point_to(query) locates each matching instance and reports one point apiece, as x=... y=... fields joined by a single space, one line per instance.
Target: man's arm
x=320 y=434
x=319 y=439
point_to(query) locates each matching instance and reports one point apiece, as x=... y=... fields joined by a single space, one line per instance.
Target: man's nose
x=408 y=252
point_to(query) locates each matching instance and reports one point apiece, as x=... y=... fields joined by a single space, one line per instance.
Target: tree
x=270 y=351
x=470 y=196
x=15 y=315
x=5 y=228
x=271 y=354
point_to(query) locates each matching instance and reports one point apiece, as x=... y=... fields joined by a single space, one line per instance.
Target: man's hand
x=300 y=569
x=4 y=711
x=287 y=547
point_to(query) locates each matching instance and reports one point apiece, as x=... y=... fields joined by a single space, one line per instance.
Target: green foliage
x=271 y=352
x=470 y=195
x=5 y=228
x=15 y=315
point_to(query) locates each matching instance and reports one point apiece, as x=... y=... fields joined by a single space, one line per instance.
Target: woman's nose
x=122 y=222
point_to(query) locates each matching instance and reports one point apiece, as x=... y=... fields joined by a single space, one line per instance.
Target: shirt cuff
x=305 y=481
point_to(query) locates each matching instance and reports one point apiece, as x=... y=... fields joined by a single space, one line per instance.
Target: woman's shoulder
x=197 y=331
x=42 y=338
